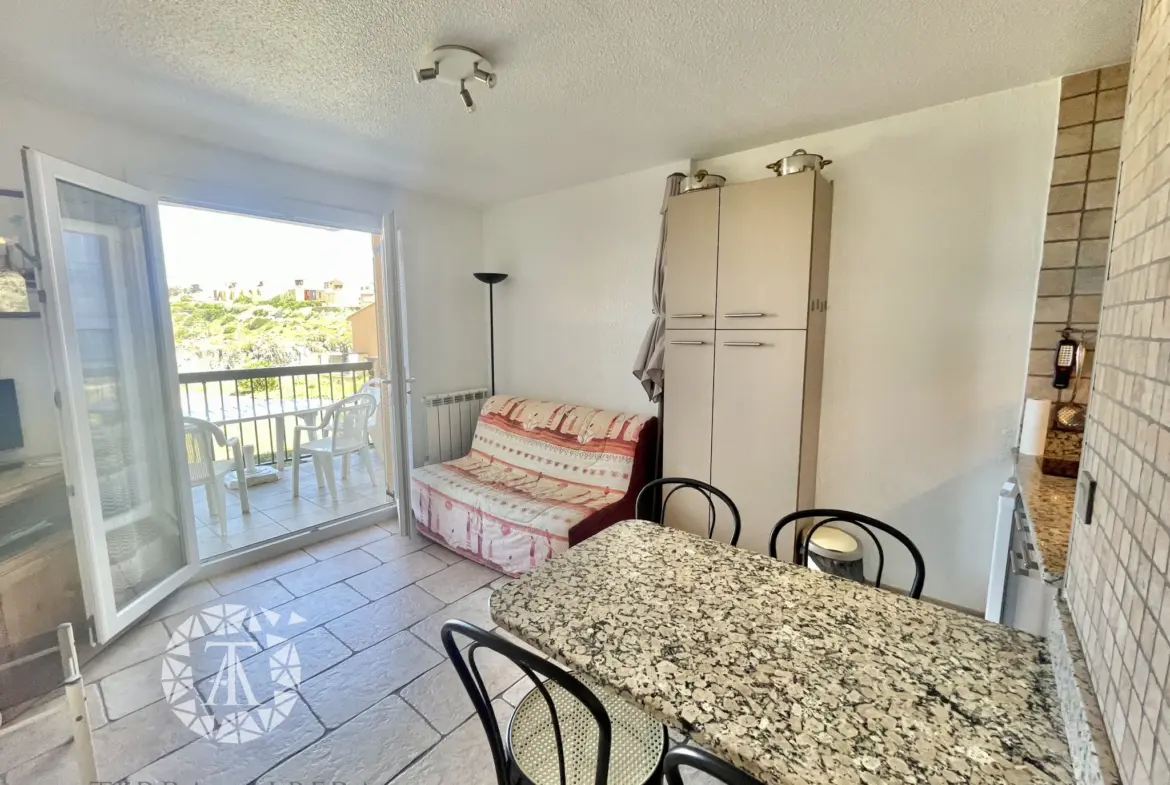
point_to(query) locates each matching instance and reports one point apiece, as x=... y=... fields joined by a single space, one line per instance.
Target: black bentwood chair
x=863 y=522
x=705 y=762
x=646 y=496
x=563 y=732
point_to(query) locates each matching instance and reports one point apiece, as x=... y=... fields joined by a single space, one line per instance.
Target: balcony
x=261 y=407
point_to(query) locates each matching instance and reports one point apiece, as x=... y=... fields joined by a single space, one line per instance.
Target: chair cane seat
x=638 y=744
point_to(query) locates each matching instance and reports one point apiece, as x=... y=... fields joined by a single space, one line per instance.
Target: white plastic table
x=305 y=409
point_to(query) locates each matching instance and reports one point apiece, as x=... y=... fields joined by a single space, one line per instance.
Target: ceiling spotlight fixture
x=481 y=75
x=466 y=96
x=456 y=65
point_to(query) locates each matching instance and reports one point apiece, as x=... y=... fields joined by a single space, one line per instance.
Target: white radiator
x=451 y=421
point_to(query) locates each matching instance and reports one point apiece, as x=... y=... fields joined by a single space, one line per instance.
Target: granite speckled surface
x=1048 y=501
x=1088 y=740
x=796 y=677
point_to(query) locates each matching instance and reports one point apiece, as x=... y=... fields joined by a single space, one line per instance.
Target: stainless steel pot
x=799 y=161
x=703 y=179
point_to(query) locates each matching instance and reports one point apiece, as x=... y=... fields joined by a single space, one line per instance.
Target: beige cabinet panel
x=686 y=413
x=692 y=250
x=756 y=427
x=765 y=242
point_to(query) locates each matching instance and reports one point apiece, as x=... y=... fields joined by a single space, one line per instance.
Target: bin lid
x=829 y=542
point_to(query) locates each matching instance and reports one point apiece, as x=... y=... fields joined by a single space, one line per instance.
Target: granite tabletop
x=1048 y=501
x=796 y=677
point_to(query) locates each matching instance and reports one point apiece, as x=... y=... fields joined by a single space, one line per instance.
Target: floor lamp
x=491 y=279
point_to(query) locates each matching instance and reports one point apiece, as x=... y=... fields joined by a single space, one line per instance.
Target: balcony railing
x=254 y=403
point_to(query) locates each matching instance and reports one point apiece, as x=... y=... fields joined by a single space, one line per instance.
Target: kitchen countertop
x=1048 y=501
x=792 y=675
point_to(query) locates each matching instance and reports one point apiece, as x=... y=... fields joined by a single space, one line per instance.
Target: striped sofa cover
x=541 y=476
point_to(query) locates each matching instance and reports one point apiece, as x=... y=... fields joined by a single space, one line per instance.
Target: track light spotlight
x=481 y=75
x=466 y=96
x=457 y=66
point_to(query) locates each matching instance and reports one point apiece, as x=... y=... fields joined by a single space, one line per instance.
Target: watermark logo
x=230 y=673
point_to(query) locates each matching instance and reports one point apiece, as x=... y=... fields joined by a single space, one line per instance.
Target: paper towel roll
x=1034 y=433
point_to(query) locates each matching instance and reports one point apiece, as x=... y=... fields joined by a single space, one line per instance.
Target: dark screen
x=10 y=435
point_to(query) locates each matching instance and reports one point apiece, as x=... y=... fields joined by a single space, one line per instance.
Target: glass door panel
x=110 y=336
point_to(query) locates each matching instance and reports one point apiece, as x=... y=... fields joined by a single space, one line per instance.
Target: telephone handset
x=1066 y=360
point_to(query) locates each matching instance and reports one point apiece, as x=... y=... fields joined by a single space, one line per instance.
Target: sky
x=212 y=248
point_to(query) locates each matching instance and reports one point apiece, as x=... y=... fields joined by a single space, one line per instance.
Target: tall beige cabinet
x=747 y=273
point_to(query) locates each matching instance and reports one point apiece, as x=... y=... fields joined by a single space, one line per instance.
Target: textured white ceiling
x=587 y=89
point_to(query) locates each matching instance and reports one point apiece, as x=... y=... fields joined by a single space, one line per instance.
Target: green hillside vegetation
x=257 y=334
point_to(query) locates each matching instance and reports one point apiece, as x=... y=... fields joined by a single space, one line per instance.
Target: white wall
x=937 y=232
x=571 y=316
x=22 y=357
x=938 y=222
x=442 y=246
x=442 y=239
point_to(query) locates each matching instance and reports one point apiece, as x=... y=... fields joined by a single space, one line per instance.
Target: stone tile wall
x=1117 y=572
x=1080 y=217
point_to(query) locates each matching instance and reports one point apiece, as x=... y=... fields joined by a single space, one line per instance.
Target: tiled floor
x=276 y=512
x=378 y=701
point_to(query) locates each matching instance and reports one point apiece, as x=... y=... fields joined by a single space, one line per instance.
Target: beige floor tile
x=395 y=547
x=50 y=730
x=382 y=618
x=319 y=607
x=345 y=542
x=205 y=761
x=261 y=571
x=392 y=576
x=347 y=689
x=462 y=758
x=440 y=696
x=189 y=596
x=514 y=694
x=316 y=650
x=237 y=521
x=458 y=580
x=137 y=644
x=316 y=576
x=268 y=594
x=474 y=609
x=372 y=747
x=130 y=689
x=128 y=744
x=298 y=508
x=443 y=554
x=254 y=535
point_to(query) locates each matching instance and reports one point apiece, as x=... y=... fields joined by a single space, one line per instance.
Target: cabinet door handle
x=744 y=315
x=742 y=343
x=688 y=316
x=687 y=343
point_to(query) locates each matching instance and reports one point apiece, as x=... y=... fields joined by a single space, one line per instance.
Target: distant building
x=363 y=329
x=332 y=292
x=233 y=290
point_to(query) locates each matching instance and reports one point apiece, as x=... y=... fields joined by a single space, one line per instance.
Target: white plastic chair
x=348 y=425
x=201 y=438
x=377 y=434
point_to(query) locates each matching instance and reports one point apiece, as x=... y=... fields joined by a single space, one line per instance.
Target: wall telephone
x=1066 y=360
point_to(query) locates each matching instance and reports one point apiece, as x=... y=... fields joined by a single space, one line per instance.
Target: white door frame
x=398 y=365
x=392 y=295
x=42 y=175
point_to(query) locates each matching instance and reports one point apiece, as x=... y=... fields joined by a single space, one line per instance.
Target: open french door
x=108 y=320
x=392 y=294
